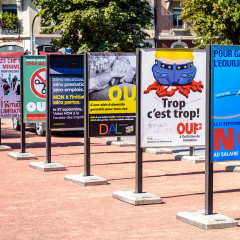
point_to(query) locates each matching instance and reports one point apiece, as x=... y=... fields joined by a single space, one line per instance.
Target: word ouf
x=120 y=93
x=227 y=142
x=188 y=128
x=103 y=129
x=40 y=106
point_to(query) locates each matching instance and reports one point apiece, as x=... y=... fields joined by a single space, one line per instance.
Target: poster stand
x=48 y=165
x=158 y=150
x=191 y=158
x=3 y=147
x=23 y=155
x=137 y=196
x=207 y=219
x=86 y=179
x=120 y=143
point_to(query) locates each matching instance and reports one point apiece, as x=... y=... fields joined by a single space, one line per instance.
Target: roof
x=11 y=54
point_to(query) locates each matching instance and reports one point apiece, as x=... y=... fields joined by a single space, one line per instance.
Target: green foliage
x=97 y=25
x=215 y=21
x=8 y=20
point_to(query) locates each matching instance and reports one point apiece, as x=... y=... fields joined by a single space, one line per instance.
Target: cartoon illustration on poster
x=10 y=87
x=112 y=94
x=34 y=89
x=173 y=97
x=225 y=125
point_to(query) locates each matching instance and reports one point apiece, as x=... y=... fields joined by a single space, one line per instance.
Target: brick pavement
x=38 y=205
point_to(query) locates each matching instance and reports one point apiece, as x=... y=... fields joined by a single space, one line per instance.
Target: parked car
x=40 y=127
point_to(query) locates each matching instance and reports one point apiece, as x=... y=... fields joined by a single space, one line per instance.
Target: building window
x=177 y=23
x=10 y=8
x=11 y=48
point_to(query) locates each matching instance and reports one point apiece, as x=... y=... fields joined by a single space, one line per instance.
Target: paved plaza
x=41 y=205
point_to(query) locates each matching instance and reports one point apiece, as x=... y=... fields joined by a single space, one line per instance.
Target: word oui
x=121 y=93
x=40 y=106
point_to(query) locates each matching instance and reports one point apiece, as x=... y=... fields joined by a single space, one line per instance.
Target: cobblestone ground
x=39 y=205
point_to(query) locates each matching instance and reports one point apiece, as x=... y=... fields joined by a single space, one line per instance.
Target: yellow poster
x=112 y=93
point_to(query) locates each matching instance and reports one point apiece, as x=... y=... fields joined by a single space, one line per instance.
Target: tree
x=214 y=21
x=97 y=25
x=8 y=20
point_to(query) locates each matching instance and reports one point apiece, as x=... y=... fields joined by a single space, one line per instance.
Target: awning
x=11 y=54
x=45 y=53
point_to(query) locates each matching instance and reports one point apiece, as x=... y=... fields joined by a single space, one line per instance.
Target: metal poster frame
x=208 y=137
x=87 y=162
x=23 y=137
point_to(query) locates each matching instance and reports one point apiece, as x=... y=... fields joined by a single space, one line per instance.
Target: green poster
x=34 y=89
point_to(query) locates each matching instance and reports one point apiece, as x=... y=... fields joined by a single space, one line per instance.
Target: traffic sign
x=38 y=83
x=68 y=50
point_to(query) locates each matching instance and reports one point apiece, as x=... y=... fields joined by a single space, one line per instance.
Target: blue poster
x=225 y=93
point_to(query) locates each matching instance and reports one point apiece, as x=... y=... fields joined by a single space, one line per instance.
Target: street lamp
x=32 y=37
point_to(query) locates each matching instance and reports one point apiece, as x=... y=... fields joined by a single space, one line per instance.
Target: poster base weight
x=5 y=148
x=158 y=150
x=21 y=156
x=122 y=144
x=47 y=167
x=190 y=159
x=212 y=221
x=85 y=180
x=137 y=198
x=233 y=168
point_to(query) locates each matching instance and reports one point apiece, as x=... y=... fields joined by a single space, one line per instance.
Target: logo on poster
x=188 y=128
x=38 y=83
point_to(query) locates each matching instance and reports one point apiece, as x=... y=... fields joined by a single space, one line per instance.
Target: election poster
x=34 y=89
x=225 y=95
x=173 y=97
x=10 y=87
x=66 y=91
x=112 y=94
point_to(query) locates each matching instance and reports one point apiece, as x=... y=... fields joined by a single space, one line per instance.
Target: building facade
x=19 y=39
x=152 y=32
x=171 y=31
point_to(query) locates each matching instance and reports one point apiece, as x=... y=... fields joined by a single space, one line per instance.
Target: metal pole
x=119 y=139
x=191 y=151
x=23 y=141
x=155 y=23
x=32 y=46
x=48 y=130
x=139 y=155
x=86 y=117
x=208 y=163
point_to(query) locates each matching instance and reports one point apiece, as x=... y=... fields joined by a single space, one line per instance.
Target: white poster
x=173 y=93
x=10 y=87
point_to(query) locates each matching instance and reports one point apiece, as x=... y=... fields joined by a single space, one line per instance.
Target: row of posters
x=66 y=88
x=173 y=95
